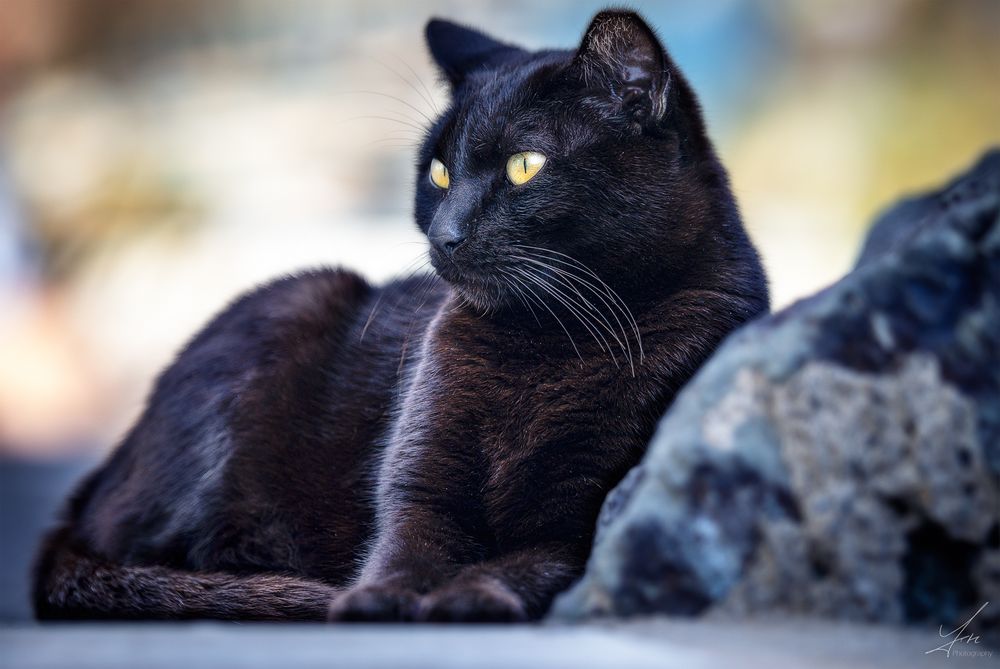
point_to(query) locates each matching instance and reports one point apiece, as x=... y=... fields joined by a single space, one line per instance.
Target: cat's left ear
x=458 y=50
x=621 y=61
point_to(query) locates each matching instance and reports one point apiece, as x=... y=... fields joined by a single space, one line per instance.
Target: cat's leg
x=429 y=521
x=514 y=587
x=418 y=551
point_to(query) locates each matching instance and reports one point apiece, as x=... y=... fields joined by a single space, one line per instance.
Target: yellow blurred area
x=157 y=158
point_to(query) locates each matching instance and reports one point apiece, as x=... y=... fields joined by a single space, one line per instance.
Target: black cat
x=327 y=449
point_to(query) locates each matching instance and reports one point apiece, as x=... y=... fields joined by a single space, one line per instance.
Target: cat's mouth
x=477 y=284
x=458 y=268
x=456 y=273
x=445 y=266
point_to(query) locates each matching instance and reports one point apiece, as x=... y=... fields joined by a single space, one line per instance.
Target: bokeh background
x=158 y=157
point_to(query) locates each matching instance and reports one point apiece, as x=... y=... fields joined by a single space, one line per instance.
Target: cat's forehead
x=495 y=108
x=507 y=110
x=500 y=111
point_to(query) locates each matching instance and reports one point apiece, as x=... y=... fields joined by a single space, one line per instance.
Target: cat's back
x=265 y=416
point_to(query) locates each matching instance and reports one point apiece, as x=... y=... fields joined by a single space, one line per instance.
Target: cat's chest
x=511 y=391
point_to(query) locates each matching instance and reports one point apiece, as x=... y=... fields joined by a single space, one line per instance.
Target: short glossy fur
x=437 y=450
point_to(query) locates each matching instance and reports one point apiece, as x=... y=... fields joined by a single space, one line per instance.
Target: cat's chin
x=483 y=297
x=473 y=291
x=478 y=287
x=480 y=299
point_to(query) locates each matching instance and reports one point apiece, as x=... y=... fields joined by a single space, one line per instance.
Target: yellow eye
x=439 y=174
x=522 y=167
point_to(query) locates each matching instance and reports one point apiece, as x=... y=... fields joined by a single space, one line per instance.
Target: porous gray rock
x=840 y=457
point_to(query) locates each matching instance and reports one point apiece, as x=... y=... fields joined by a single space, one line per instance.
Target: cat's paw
x=483 y=601
x=373 y=603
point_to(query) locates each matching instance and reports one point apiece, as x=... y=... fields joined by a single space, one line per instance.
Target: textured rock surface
x=841 y=457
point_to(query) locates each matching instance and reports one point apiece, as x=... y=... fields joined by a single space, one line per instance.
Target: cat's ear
x=621 y=61
x=458 y=50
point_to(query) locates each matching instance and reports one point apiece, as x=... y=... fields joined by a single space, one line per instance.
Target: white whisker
x=566 y=278
x=608 y=291
x=577 y=310
x=558 y=320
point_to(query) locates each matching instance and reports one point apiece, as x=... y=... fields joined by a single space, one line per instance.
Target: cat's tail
x=72 y=583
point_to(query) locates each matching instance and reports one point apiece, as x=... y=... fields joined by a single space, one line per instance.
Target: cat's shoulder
x=303 y=296
x=301 y=301
x=275 y=316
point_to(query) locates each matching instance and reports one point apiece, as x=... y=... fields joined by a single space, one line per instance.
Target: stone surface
x=657 y=644
x=839 y=458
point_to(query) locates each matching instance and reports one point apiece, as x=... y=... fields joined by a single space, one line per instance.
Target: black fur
x=437 y=450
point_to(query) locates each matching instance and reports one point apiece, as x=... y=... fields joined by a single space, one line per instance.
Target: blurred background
x=159 y=157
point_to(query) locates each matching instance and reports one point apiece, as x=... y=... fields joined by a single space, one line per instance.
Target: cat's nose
x=446 y=238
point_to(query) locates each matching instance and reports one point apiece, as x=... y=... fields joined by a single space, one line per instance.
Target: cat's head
x=591 y=161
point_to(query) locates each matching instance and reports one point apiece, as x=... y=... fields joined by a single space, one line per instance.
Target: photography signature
x=957 y=635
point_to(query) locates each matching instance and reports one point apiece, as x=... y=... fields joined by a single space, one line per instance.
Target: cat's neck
x=580 y=314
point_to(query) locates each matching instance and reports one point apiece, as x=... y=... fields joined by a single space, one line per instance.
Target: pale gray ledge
x=662 y=644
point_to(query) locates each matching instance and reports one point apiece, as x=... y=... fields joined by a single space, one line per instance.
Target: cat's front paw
x=485 y=601
x=373 y=603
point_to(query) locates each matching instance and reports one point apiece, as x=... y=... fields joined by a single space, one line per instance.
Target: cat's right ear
x=458 y=50
x=622 y=63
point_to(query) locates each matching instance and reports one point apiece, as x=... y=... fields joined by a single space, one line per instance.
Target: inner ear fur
x=621 y=57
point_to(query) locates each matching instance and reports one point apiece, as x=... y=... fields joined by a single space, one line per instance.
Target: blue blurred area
x=723 y=46
x=31 y=494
